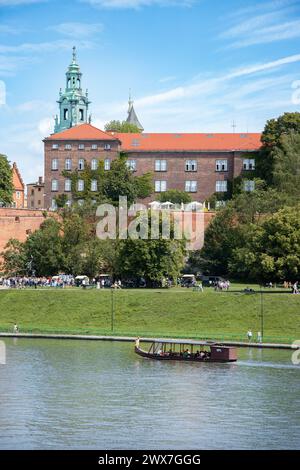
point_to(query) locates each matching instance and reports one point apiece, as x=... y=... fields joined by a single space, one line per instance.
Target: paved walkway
x=239 y=344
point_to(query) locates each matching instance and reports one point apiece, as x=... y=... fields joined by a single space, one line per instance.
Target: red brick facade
x=204 y=150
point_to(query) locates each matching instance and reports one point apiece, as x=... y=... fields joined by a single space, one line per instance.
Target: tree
x=6 y=182
x=61 y=201
x=45 y=248
x=122 y=127
x=271 y=250
x=175 y=196
x=287 y=166
x=14 y=258
x=271 y=139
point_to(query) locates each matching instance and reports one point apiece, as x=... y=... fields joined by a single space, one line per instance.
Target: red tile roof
x=189 y=142
x=82 y=132
x=164 y=142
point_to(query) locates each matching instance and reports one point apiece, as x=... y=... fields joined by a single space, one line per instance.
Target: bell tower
x=73 y=103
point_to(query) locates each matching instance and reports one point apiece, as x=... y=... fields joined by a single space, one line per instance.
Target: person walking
x=249 y=335
x=259 y=337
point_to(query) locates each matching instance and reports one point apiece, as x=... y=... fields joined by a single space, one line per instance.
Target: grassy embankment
x=168 y=313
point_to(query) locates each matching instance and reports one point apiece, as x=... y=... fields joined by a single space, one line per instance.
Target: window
x=80 y=185
x=81 y=164
x=94 y=185
x=160 y=186
x=249 y=185
x=68 y=185
x=220 y=204
x=54 y=185
x=160 y=165
x=249 y=164
x=53 y=205
x=221 y=165
x=107 y=147
x=81 y=114
x=190 y=165
x=94 y=146
x=191 y=186
x=66 y=114
x=32 y=192
x=69 y=203
x=135 y=143
x=54 y=146
x=107 y=164
x=94 y=164
x=18 y=194
x=54 y=164
x=131 y=164
x=68 y=147
x=68 y=164
x=81 y=146
x=221 y=186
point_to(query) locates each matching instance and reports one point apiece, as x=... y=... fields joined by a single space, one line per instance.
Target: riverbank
x=129 y=339
x=171 y=313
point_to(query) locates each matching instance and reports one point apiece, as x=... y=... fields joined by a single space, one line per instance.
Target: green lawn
x=173 y=313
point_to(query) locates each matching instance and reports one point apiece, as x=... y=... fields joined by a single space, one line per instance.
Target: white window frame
x=191 y=165
x=80 y=185
x=249 y=164
x=107 y=147
x=68 y=164
x=81 y=147
x=221 y=186
x=81 y=164
x=191 y=186
x=68 y=185
x=68 y=147
x=54 y=185
x=160 y=186
x=131 y=164
x=55 y=146
x=94 y=146
x=94 y=164
x=221 y=165
x=249 y=185
x=54 y=164
x=94 y=185
x=107 y=164
x=160 y=165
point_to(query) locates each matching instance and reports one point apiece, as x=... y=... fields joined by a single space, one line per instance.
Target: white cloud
x=135 y=4
x=276 y=21
x=77 y=29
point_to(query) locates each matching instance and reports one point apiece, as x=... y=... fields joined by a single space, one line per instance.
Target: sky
x=191 y=65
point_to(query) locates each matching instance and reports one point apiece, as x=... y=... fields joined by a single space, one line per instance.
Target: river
x=65 y=394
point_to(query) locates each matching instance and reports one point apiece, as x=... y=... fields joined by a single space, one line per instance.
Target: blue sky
x=192 y=65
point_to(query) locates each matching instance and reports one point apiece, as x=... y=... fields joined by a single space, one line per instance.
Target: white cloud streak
x=76 y=30
x=136 y=4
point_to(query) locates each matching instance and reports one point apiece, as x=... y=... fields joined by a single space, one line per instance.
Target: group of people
x=250 y=336
x=186 y=354
x=222 y=285
x=21 y=282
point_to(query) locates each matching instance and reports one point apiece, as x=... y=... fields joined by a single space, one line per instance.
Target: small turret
x=132 y=117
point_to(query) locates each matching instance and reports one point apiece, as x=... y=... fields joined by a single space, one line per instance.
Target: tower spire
x=132 y=117
x=74 y=55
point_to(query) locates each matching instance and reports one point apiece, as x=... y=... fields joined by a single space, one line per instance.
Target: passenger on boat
x=186 y=354
x=159 y=352
x=197 y=354
x=202 y=355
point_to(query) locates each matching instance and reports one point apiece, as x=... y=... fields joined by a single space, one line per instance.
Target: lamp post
x=261 y=314
x=112 y=309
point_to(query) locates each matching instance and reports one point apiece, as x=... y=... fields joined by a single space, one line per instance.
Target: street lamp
x=112 y=309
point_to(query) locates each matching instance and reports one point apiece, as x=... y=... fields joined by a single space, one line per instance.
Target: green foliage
x=61 y=201
x=14 y=258
x=271 y=140
x=6 y=182
x=175 y=196
x=122 y=127
x=118 y=181
x=287 y=166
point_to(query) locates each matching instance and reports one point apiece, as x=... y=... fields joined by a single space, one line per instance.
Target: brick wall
x=18 y=223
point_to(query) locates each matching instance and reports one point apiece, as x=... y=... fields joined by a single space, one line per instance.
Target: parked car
x=188 y=280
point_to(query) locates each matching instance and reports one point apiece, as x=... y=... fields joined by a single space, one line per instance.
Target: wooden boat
x=168 y=350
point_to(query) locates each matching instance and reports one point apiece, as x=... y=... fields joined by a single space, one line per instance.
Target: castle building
x=200 y=163
x=35 y=194
x=19 y=188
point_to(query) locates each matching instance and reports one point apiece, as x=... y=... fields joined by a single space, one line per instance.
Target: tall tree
x=122 y=127
x=287 y=166
x=6 y=182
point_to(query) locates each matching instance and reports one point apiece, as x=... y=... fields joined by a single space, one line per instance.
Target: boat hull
x=157 y=357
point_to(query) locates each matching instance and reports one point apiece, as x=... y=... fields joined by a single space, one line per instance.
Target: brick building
x=200 y=164
x=35 y=194
x=19 y=188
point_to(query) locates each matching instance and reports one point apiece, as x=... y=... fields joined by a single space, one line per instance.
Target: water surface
x=64 y=394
